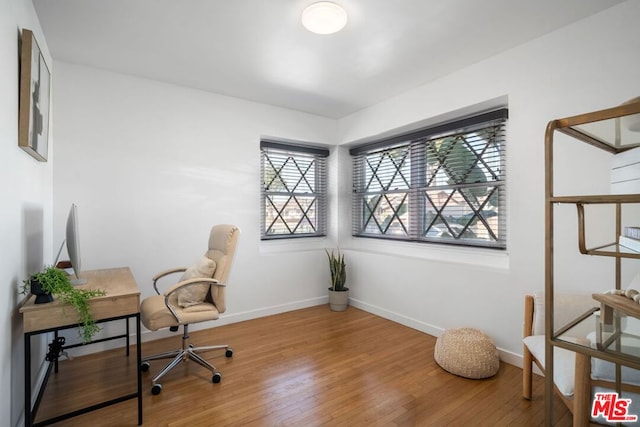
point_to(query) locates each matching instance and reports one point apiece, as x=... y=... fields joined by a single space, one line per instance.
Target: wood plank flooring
x=309 y=367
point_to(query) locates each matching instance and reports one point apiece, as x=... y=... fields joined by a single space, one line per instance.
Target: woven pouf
x=467 y=352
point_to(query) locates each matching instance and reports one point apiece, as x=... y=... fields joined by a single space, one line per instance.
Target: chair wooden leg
x=527 y=357
x=527 y=372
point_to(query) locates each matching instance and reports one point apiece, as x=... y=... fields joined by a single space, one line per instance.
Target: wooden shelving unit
x=581 y=128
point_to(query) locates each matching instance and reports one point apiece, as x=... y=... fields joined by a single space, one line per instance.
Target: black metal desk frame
x=31 y=411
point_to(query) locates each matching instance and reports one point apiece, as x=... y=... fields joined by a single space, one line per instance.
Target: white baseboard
x=505 y=355
x=398 y=318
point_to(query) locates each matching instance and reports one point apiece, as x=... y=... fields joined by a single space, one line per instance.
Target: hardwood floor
x=308 y=367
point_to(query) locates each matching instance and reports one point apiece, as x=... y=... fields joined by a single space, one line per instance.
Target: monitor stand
x=66 y=266
x=78 y=281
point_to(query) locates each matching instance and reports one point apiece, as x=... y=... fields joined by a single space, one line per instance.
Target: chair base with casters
x=198 y=296
x=188 y=352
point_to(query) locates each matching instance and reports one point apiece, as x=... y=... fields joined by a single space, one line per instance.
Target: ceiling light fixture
x=324 y=17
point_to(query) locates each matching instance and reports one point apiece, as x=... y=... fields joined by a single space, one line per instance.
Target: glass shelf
x=620 y=131
x=613 y=250
x=606 y=332
x=615 y=129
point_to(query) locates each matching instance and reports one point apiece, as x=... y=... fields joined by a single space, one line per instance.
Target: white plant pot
x=338 y=300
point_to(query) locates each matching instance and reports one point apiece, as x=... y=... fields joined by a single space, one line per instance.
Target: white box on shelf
x=633 y=232
x=625 y=172
x=629 y=243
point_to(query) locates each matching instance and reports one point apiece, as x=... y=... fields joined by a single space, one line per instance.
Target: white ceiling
x=258 y=49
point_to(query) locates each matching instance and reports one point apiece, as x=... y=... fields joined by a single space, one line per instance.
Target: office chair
x=199 y=296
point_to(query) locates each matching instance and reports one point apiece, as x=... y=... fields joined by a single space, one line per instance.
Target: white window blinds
x=293 y=190
x=442 y=184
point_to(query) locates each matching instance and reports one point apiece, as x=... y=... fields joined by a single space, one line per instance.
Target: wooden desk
x=122 y=301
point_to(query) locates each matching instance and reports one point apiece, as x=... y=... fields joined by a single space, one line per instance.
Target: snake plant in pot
x=338 y=293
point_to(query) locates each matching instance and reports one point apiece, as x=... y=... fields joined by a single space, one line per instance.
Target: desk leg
x=139 y=367
x=27 y=380
x=55 y=339
x=127 y=334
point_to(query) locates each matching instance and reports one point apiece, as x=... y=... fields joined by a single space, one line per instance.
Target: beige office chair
x=199 y=296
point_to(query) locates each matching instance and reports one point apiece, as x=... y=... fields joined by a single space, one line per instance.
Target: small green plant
x=56 y=282
x=338 y=271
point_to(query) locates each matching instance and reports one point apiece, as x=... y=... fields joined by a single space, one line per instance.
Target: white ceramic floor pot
x=338 y=300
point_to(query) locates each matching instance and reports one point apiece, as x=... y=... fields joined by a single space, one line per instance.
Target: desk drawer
x=57 y=314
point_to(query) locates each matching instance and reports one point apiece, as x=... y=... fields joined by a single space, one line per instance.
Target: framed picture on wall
x=33 y=126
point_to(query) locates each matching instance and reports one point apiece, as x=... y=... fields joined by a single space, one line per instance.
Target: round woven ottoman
x=467 y=352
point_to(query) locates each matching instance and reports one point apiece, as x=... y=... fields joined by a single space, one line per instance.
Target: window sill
x=483 y=257
x=278 y=246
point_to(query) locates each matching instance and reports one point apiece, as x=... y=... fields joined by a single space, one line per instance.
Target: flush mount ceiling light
x=324 y=17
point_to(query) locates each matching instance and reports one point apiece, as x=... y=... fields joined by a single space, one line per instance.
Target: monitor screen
x=72 y=242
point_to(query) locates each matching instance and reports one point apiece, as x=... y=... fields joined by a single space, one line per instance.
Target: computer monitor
x=72 y=242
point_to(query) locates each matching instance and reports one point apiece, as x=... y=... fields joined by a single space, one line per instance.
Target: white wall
x=25 y=210
x=153 y=166
x=590 y=65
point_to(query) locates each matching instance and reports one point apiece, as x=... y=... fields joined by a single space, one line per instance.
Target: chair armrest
x=528 y=316
x=191 y=282
x=170 y=271
x=165 y=273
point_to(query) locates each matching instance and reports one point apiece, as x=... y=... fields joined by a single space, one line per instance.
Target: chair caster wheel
x=217 y=377
x=156 y=389
x=144 y=366
x=228 y=353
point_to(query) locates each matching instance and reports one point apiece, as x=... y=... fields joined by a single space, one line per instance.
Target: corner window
x=442 y=184
x=294 y=190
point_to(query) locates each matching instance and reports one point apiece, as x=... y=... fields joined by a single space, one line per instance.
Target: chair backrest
x=567 y=308
x=223 y=242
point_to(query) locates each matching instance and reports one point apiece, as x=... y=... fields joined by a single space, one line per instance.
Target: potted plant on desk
x=53 y=281
x=338 y=293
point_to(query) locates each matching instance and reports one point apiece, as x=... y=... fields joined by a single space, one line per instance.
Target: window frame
x=295 y=152
x=415 y=186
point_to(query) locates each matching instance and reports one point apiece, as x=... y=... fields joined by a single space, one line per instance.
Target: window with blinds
x=442 y=184
x=293 y=191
